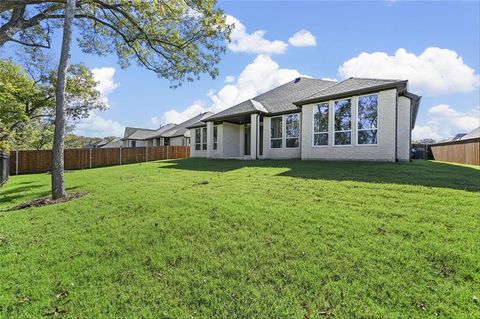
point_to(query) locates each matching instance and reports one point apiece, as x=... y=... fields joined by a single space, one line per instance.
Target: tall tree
x=176 y=39
x=58 y=183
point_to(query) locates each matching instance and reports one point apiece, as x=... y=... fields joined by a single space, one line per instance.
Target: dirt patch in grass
x=48 y=201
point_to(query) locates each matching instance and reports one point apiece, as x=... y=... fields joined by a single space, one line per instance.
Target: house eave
x=400 y=86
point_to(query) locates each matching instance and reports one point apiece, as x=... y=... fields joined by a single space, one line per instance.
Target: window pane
x=204 y=135
x=197 y=147
x=367 y=112
x=320 y=139
x=343 y=138
x=293 y=125
x=276 y=143
x=343 y=115
x=214 y=134
x=276 y=129
x=320 y=118
x=367 y=137
x=292 y=142
x=197 y=135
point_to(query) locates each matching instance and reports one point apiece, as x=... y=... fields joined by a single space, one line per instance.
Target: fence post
x=120 y=155
x=168 y=147
x=90 y=158
x=16 y=163
x=146 y=151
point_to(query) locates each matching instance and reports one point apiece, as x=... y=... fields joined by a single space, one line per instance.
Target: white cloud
x=241 y=41
x=436 y=71
x=98 y=126
x=230 y=79
x=173 y=116
x=329 y=79
x=446 y=122
x=303 y=38
x=104 y=76
x=257 y=77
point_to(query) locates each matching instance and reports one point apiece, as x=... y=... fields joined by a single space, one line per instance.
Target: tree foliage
x=27 y=97
x=177 y=39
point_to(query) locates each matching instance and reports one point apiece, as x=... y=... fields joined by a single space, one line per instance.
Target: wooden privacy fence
x=462 y=151
x=41 y=161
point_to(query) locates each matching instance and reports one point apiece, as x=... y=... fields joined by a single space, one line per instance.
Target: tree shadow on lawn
x=19 y=195
x=421 y=173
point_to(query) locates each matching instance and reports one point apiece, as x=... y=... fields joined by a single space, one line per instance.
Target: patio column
x=253 y=136
x=209 y=139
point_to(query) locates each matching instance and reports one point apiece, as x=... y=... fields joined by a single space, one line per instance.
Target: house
x=473 y=134
x=113 y=143
x=355 y=119
x=167 y=135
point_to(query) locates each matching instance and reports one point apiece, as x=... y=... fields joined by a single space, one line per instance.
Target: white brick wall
x=383 y=151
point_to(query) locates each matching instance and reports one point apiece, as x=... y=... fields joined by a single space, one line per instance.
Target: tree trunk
x=58 y=183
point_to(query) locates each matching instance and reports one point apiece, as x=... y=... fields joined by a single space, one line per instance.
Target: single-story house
x=167 y=135
x=355 y=119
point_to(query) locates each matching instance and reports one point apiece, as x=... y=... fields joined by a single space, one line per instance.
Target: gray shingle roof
x=182 y=128
x=161 y=130
x=473 y=134
x=137 y=133
x=349 y=86
x=278 y=100
x=114 y=143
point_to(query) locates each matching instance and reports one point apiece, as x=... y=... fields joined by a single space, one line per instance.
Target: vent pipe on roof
x=296 y=80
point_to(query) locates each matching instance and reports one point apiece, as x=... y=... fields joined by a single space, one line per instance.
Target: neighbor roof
x=137 y=133
x=114 y=143
x=473 y=134
x=182 y=128
x=278 y=100
x=161 y=130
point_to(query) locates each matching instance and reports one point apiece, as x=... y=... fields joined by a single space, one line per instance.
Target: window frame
x=281 y=132
x=299 y=130
x=215 y=137
x=284 y=132
x=357 y=118
x=198 y=132
x=351 y=123
x=328 y=125
x=204 y=139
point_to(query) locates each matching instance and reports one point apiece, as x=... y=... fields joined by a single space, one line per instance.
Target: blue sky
x=436 y=45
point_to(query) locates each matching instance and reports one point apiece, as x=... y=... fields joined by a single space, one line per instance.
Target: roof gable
x=277 y=100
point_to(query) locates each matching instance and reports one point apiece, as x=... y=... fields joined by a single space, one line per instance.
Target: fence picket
x=40 y=161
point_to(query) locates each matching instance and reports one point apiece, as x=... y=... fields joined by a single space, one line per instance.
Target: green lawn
x=263 y=239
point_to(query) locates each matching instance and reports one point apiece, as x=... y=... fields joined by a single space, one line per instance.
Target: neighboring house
x=356 y=119
x=167 y=135
x=473 y=134
x=136 y=137
x=114 y=143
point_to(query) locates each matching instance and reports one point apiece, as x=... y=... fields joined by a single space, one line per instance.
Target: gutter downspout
x=396 y=126
x=256 y=136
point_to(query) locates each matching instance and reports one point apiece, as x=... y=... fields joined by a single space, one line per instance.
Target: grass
x=241 y=239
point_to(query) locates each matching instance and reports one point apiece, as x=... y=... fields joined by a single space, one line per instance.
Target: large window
x=292 y=128
x=276 y=132
x=343 y=122
x=204 y=138
x=166 y=141
x=367 y=119
x=320 y=124
x=288 y=135
x=198 y=139
x=215 y=137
